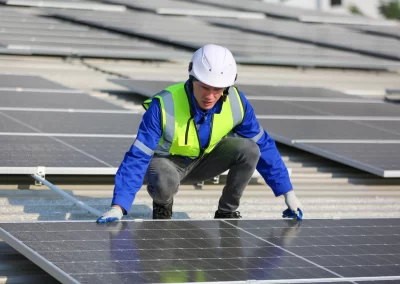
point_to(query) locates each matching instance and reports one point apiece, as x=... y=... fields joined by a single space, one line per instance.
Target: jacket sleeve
x=130 y=175
x=270 y=165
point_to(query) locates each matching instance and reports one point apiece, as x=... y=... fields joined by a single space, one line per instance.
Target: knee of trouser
x=249 y=149
x=162 y=187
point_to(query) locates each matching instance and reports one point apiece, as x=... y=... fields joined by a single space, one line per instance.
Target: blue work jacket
x=130 y=175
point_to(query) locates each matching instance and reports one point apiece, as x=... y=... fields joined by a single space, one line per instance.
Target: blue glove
x=113 y=215
x=293 y=204
x=289 y=213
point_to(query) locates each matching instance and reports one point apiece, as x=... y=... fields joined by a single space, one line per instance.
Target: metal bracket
x=41 y=171
x=216 y=180
x=199 y=185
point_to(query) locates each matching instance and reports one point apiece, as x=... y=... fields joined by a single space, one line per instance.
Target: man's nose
x=210 y=94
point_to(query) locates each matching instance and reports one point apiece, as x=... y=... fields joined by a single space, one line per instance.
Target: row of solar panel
x=361 y=133
x=61 y=127
x=271 y=251
x=261 y=41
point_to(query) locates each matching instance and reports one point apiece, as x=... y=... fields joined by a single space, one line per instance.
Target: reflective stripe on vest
x=180 y=135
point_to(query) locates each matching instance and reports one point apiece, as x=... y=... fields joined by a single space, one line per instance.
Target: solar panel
x=37 y=99
x=10 y=125
x=289 y=92
x=297 y=115
x=317 y=251
x=368 y=109
x=28 y=34
x=391 y=125
x=287 y=130
x=393 y=32
x=191 y=33
x=45 y=124
x=143 y=87
x=150 y=88
x=323 y=35
x=20 y=82
x=280 y=108
x=170 y=7
x=382 y=159
x=75 y=4
x=112 y=123
x=71 y=153
x=292 y=13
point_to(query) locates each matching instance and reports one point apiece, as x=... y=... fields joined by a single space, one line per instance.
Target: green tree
x=390 y=10
x=355 y=10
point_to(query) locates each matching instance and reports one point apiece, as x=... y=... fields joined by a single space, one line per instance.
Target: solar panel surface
x=74 y=4
x=209 y=251
x=155 y=5
x=379 y=158
x=292 y=121
x=298 y=129
x=66 y=131
x=393 y=32
x=38 y=99
x=352 y=109
x=61 y=152
x=324 y=35
x=272 y=9
x=191 y=33
x=171 y=7
x=22 y=33
x=77 y=122
x=20 y=81
x=150 y=88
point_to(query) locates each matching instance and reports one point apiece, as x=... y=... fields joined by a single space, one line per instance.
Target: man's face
x=206 y=96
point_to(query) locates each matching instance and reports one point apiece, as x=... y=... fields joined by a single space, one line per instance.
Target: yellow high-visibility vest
x=180 y=135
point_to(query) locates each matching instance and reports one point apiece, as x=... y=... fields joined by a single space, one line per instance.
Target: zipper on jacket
x=187 y=130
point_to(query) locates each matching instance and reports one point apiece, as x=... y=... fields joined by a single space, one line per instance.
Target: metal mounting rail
x=66 y=195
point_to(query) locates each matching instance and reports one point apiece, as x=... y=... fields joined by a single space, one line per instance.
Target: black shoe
x=162 y=211
x=227 y=215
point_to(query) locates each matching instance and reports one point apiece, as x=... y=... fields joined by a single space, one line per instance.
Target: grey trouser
x=238 y=155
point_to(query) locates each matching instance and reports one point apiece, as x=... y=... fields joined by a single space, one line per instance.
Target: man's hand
x=114 y=214
x=294 y=205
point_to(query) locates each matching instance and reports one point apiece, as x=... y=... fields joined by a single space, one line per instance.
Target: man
x=194 y=131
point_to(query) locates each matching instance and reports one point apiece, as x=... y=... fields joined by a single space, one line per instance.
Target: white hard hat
x=213 y=65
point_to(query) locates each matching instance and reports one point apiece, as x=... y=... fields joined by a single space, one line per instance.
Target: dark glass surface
x=143 y=87
x=294 y=129
x=28 y=151
x=149 y=88
x=198 y=251
x=287 y=91
x=53 y=100
x=80 y=123
x=251 y=49
x=352 y=109
x=327 y=35
x=29 y=82
x=379 y=156
x=60 y=38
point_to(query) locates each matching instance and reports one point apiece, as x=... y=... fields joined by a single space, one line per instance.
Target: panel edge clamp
x=40 y=171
